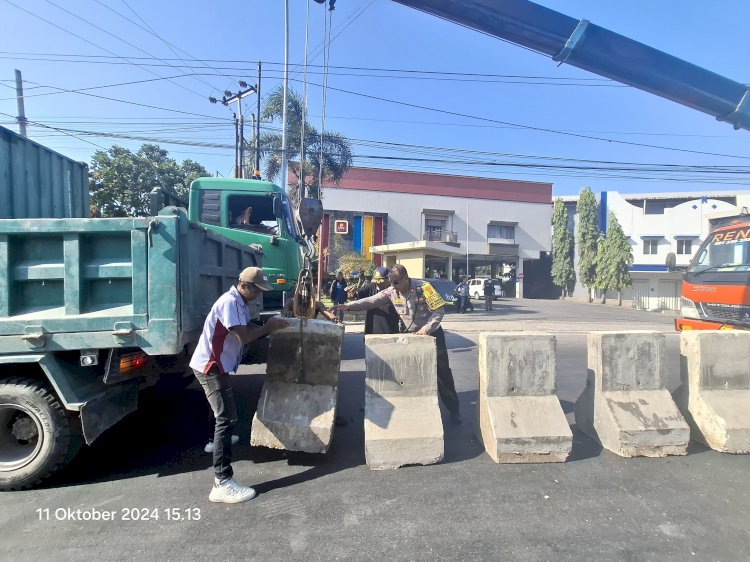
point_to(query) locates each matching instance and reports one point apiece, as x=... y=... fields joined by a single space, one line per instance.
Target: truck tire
x=476 y=295
x=37 y=435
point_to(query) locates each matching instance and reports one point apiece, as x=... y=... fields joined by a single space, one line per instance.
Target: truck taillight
x=688 y=309
x=132 y=362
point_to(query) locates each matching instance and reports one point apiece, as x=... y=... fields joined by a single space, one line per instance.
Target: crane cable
x=326 y=58
x=301 y=188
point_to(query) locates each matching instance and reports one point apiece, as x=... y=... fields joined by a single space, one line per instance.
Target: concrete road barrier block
x=520 y=418
x=714 y=394
x=402 y=417
x=625 y=405
x=297 y=406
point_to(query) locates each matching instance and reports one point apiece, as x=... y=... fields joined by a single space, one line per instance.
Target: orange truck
x=716 y=285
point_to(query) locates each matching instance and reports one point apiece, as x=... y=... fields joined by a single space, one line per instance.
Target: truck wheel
x=37 y=436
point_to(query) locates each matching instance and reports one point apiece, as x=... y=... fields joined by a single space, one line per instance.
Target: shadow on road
x=167 y=434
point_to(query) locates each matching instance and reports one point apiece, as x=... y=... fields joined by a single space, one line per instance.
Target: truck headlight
x=688 y=309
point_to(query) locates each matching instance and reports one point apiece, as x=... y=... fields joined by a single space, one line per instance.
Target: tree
x=588 y=236
x=337 y=153
x=353 y=261
x=613 y=260
x=563 y=272
x=121 y=180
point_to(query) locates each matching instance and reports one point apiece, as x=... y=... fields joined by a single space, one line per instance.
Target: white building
x=656 y=225
x=452 y=225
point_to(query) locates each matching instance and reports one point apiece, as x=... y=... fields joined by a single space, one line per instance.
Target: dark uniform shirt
x=382 y=320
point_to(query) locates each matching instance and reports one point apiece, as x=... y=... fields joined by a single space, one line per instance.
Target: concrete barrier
x=625 y=405
x=402 y=417
x=520 y=418
x=715 y=392
x=297 y=406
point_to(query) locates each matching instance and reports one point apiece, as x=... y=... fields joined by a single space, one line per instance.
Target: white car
x=476 y=288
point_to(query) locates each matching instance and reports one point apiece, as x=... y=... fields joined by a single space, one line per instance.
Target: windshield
x=728 y=250
x=288 y=218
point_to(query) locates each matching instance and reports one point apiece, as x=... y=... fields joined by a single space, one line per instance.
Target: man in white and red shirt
x=218 y=355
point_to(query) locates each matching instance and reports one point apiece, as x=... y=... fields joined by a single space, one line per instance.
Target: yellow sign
x=434 y=301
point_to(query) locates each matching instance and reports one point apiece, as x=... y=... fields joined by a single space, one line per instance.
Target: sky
x=410 y=91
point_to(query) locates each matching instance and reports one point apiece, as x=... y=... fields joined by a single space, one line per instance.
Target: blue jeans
x=221 y=399
x=339 y=313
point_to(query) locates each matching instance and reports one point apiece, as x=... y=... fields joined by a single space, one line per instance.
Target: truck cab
x=716 y=286
x=252 y=212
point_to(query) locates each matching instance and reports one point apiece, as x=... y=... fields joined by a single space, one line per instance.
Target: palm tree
x=337 y=154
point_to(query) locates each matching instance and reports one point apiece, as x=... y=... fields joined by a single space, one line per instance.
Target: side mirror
x=671 y=261
x=277 y=206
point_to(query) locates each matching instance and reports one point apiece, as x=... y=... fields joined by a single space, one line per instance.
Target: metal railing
x=440 y=236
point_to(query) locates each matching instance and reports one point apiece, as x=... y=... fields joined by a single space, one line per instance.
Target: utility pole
x=286 y=84
x=228 y=98
x=256 y=173
x=236 y=145
x=19 y=100
x=467 y=240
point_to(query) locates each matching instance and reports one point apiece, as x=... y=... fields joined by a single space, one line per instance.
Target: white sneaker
x=209 y=448
x=230 y=492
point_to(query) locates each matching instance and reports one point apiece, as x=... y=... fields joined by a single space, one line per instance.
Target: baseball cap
x=380 y=274
x=255 y=276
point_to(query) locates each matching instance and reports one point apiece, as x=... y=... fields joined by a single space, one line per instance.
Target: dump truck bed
x=69 y=284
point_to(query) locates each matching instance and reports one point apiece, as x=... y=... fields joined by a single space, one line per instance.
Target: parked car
x=445 y=287
x=476 y=288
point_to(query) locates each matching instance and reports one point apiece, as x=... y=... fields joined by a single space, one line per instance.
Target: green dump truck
x=91 y=311
x=37 y=182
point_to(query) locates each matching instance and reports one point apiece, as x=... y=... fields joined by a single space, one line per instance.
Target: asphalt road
x=596 y=506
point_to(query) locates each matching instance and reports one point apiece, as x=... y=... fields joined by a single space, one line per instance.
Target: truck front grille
x=731 y=313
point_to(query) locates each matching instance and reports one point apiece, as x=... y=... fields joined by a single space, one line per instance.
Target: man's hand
x=276 y=323
x=421 y=332
x=288 y=309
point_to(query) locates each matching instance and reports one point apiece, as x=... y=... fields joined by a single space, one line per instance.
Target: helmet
x=380 y=274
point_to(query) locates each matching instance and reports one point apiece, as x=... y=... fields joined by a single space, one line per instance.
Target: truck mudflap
x=100 y=405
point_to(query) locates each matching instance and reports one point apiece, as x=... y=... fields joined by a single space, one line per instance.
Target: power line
x=533 y=128
x=666 y=172
x=333 y=68
x=84 y=39
x=133 y=102
x=57 y=129
x=171 y=46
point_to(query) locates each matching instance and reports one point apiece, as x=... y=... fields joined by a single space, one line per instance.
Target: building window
x=650 y=246
x=685 y=247
x=507 y=231
x=434 y=229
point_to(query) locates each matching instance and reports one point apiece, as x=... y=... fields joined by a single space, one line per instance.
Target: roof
x=465 y=187
x=687 y=195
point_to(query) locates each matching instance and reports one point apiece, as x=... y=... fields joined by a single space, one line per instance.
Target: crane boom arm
x=598 y=50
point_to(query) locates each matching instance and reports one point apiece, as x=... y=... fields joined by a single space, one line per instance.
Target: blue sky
x=445 y=68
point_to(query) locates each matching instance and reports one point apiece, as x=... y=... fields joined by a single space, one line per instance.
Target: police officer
x=382 y=320
x=421 y=310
